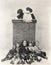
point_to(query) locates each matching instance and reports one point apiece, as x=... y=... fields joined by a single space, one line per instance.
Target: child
x=30 y=11
x=10 y=54
x=24 y=51
x=20 y=14
x=17 y=55
x=39 y=53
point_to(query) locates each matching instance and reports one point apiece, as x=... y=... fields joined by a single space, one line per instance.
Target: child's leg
x=43 y=55
x=8 y=57
x=13 y=60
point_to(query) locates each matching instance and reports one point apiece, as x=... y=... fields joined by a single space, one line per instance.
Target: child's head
x=34 y=43
x=30 y=44
x=24 y=43
x=20 y=11
x=29 y=9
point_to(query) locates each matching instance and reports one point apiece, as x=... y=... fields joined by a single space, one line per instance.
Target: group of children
x=26 y=15
x=25 y=52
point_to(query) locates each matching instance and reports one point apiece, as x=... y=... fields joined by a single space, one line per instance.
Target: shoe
x=11 y=62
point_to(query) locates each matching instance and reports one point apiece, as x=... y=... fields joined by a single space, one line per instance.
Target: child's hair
x=26 y=42
x=29 y=9
x=20 y=11
x=34 y=44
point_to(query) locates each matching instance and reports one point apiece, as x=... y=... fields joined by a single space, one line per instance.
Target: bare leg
x=12 y=61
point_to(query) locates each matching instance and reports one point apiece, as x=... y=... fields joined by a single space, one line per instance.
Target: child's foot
x=11 y=62
x=3 y=60
x=39 y=59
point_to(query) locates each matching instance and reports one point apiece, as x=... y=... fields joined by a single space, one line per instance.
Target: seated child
x=24 y=51
x=38 y=52
x=16 y=57
x=10 y=54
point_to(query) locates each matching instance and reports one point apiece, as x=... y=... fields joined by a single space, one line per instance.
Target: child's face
x=17 y=45
x=26 y=12
x=24 y=43
x=30 y=44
